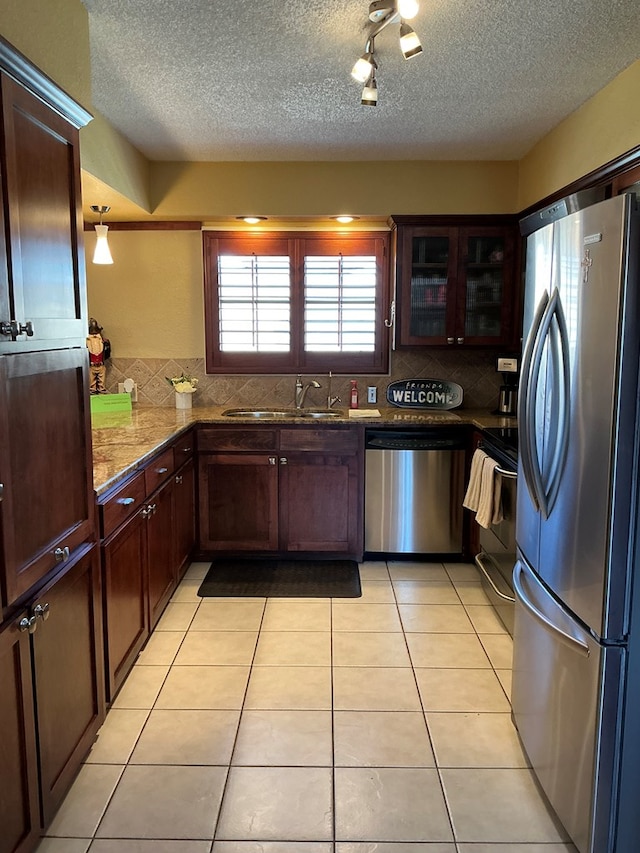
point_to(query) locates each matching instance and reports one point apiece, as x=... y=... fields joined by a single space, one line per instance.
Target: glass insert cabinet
x=456 y=284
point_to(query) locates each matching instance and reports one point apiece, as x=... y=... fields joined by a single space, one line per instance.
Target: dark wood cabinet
x=43 y=296
x=238 y=501
x=126 y=614
x=456 y=281
x=51 y=670
x=162 y=569
x=68 y=673
x=45 y=466
x=184 y=508
x=19 y=811
x=280 y=491
x=147 y=534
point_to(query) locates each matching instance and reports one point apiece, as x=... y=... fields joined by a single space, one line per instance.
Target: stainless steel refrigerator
x=576 y=667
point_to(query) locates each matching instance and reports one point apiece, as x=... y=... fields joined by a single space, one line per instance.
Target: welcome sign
x=424 y=394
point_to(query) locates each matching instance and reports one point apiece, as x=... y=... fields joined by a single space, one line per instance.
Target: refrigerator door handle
x=526 y=404
x=562 y=374
x=573 y=642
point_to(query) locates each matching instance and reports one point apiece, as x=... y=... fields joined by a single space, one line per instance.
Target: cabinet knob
x=450 y=340
x=1 y=491
x=272 y=460
x=179 y=480
x=13 y=329
x=459 y=340
x=283 y=460
x=41 y=611
x=152 y=508
x=146 y=512
x=61 y=554
x=28 y=624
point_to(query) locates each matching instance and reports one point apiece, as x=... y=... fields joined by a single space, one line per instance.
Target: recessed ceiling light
x=252 y=220
x=344 y=219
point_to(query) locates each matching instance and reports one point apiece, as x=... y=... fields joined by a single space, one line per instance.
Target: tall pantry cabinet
x=51 y=669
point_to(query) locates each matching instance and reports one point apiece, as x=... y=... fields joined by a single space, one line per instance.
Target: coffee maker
x=508 y=396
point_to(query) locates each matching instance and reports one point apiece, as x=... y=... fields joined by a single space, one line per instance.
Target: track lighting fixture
x=381 y=14
x=102 y=253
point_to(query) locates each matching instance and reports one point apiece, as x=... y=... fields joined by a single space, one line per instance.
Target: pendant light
x=102 y=253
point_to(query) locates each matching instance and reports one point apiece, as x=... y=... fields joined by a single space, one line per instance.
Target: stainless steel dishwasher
x=414 y=487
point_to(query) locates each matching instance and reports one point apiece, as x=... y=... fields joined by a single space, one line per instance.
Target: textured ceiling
x=267 y=80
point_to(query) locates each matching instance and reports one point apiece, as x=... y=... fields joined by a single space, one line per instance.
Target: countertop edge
x=126 y=444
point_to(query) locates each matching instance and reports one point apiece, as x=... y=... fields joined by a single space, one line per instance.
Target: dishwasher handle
x=389 y=441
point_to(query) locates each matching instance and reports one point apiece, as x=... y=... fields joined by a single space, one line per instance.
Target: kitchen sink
x=271 y=414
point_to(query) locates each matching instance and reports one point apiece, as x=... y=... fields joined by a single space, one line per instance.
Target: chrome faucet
x=332 y=398
x=301 y=390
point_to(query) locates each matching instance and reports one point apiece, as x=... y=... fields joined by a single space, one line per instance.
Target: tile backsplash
x=474 y=370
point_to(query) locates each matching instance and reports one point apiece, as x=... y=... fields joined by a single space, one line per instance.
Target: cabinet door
x=161 y=559
x=485 y=286
x=19 y=817
x=124 y=564
x=320 y=506
x=427 y=283
x=184 y=514
x=45 y=464
x=69 y=675
x=41 y=172
x=238 y=502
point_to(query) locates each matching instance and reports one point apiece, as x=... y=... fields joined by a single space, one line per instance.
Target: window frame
x=297 y=245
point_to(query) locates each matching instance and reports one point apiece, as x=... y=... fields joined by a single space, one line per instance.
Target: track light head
x=409 y=41
x=364 y=67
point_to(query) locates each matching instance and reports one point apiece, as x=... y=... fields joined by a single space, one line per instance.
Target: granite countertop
x=125 y=441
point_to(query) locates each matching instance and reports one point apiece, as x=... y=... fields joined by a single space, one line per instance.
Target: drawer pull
x=126 y=501
x=41 y=611
x=162 y=470
x=61 y=554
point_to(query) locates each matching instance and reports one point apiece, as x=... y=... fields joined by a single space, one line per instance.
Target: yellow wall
x=603 y=128
x=54 y=35
x=150 y=301
x=209 y=190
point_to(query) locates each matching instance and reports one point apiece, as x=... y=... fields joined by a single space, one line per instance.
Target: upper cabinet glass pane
x=429 y=283
x=485 y=284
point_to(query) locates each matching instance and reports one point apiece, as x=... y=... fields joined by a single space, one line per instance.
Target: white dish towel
x=484 y=492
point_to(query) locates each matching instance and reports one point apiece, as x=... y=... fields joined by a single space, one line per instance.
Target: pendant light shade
x=102 y=253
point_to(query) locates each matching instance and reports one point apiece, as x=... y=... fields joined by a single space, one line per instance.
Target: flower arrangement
x=183 y=384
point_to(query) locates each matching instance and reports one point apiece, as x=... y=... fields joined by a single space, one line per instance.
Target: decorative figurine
x=99 y=351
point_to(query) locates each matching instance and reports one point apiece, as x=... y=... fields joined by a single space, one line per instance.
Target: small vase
x=183 y=400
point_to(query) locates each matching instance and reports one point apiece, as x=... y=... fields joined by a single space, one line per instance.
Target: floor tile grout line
x=235 y=740
x=431 y=744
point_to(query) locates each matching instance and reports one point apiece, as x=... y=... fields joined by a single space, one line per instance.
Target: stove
x=504 y=440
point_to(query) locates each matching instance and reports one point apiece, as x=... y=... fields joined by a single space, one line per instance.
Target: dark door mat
x=243 y=578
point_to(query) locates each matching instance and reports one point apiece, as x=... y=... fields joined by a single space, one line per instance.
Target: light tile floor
x=315 y=726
